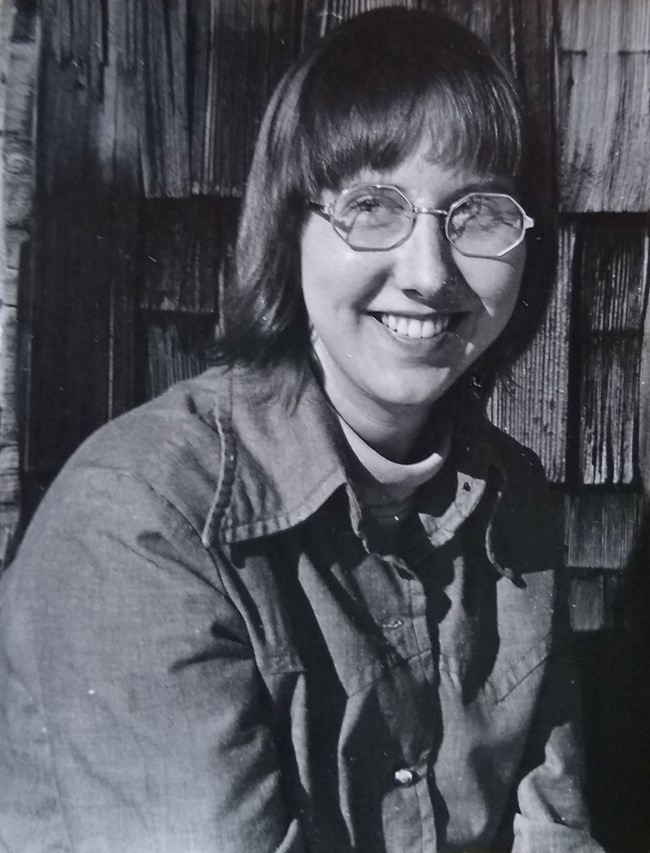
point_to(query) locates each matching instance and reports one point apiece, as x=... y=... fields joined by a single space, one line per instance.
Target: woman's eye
x=472 y=207
x=367 y=205
x=479 y=213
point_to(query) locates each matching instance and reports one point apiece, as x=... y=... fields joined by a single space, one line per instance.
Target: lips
x=418 y=327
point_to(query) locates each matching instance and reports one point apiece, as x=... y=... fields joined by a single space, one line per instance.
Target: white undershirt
x=384 y=487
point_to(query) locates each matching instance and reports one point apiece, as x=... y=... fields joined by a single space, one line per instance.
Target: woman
x=307 y=601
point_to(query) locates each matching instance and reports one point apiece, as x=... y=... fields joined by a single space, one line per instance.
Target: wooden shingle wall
x=603 y=103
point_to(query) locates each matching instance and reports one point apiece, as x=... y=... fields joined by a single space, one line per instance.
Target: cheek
x=337 y=283
x=495 y=282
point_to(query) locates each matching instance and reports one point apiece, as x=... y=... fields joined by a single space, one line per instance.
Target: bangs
x=371 y=108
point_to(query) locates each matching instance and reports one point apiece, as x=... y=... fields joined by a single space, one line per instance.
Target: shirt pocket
x=516 y=669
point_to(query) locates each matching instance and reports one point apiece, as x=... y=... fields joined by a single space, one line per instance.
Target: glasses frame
x=327 y=212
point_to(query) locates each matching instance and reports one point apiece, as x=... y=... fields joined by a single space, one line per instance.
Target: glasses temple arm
x=320 y=209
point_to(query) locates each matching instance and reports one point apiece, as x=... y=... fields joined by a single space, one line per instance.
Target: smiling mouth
x=418 y=328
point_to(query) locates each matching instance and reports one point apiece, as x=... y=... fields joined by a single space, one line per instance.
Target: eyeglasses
x=376 y=217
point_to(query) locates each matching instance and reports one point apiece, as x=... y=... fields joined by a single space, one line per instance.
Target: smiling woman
x=312 y=600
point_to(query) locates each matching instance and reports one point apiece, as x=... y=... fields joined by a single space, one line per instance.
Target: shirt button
x=403 y=778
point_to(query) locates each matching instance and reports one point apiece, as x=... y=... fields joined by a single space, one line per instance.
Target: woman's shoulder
x=171 y=445
x=529 y=513
x=518 y=462
x=225 y=449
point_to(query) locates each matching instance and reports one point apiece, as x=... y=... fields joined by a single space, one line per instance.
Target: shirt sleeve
x=132 y=712
x=552 y=815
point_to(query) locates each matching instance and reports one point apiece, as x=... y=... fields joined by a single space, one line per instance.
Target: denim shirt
x=207 y=646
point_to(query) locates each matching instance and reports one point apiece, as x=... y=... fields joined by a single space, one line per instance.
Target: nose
x=426 y=267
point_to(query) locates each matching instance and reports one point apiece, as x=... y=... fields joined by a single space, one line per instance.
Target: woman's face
x=396 y=328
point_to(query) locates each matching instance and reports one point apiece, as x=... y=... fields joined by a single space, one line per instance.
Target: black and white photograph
x=324 y=426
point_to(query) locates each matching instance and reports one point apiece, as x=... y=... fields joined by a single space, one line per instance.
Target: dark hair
x=363 y=97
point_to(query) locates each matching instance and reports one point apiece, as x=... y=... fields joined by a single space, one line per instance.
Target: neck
x=391 y=430
x=393 y=434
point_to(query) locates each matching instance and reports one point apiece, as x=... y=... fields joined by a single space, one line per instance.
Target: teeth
x=413 y=328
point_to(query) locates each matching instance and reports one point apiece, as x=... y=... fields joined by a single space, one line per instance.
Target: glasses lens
x=486 y=225
x=372 y=217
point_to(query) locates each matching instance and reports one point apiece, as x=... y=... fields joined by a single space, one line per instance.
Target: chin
x=418 y=393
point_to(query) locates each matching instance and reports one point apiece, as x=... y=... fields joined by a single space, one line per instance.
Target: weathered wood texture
x=644 y=410
x=587 y=604
x=601 y=529
x=240 y=49
x=604 y=104
x=80 y=309
x=163 y=85
x=321 y=16
x=201 y=119
x=19 y=48
x=188 y=253
x=178 y=348
x=612 y=265
x=593 y=602
x=534 y=406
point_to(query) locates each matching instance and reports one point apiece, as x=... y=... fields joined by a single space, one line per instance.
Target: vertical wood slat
x=535 y=409
x=321 y=16
x=613 y=270
x=64 y=306
x=604 y=105
x=601 y=529
x=118 y=152
x=20 y=37
x=67 y=126
x=203 y=32
x=76 y=32
x=644 y=402
x=240 y=51
x=492 y=21
x=177 y=348
x=164 y=87
x=588 y=608
x=81 y=307
x=220 y=131
x=188 y=248
x=69 y=324
x=534 y=33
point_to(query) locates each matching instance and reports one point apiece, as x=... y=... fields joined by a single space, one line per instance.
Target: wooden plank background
x=604 y=101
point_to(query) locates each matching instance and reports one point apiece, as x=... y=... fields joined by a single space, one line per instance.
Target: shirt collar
x=280 y=462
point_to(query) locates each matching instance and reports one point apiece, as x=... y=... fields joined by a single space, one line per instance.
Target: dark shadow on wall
x=615 y=667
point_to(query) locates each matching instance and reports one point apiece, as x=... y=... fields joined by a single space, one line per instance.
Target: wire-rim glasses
x=379 y=217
